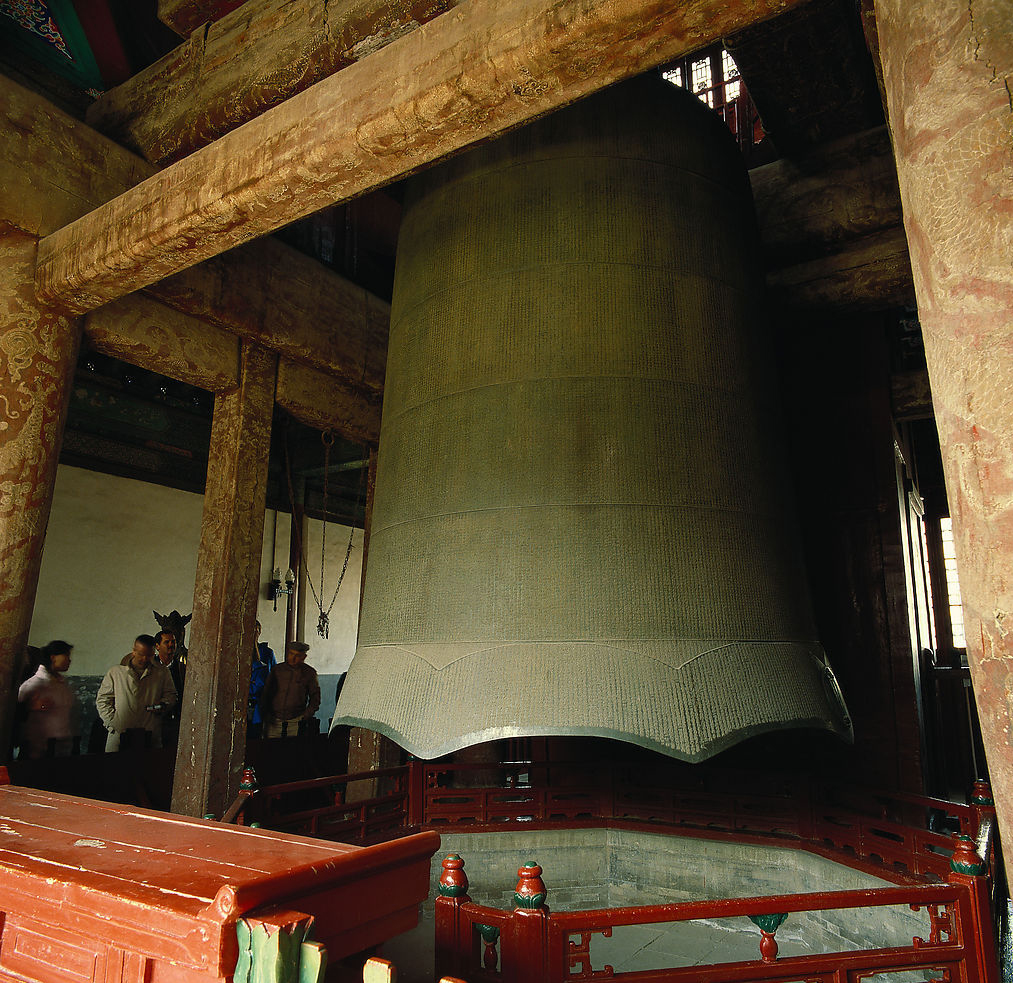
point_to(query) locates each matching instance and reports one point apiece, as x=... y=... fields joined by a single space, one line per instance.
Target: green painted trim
x=279 y=956
x=529 y=901
x=312 y=962
x=244 y=964
x=975 y=869
x=769 y=923
x=489 y=933
x=452 y=890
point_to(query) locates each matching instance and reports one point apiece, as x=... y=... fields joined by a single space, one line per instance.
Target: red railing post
x=970 y=871
x=524 y=949
x=416 y=792
x=453 y=932
x=982 y=808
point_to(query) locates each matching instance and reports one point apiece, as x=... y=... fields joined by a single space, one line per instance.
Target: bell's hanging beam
x=581 y=524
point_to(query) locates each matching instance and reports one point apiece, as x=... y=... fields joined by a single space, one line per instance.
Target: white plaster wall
x=327 y=655
x=116 y=548
x=333 y=654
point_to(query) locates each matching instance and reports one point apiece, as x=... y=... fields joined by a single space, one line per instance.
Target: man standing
x=165 y=656
x=292 y=693
x=165 y=653
x=129 y=693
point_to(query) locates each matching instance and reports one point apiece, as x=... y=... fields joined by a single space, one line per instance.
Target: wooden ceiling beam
x=240 y=66
x=468 y=75
x=184 y=16
x=818 y=202
x=831 y=227
x=142 y=332
x=54 y=169
x=868 y=274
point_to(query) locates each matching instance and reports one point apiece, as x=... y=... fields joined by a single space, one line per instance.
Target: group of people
x=138 y=700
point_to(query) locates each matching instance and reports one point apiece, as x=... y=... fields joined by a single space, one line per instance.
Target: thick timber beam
x=321 y=401
x=240 y=66
x=291 y=304
x=830 y=224
x=38 y=354
x=470 y=74
x=815 y=204
x=145 y=333
x=54 y=169
x=184 y=16
x=868 y=274
x=212 y=738
x=948 y=73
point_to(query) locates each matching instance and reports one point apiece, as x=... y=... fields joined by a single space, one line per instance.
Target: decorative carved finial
x=453 y=880
x=530 y=891
x=981 y=794
x=768 y=925
x=965 y=860
x=249 y=782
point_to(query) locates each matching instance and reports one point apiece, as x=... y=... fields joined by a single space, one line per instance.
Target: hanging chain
x=323 y=622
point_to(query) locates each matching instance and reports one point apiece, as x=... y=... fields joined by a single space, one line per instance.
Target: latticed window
x=952 y=584
x=703 y=84
x=730 y=76
x=713 y=76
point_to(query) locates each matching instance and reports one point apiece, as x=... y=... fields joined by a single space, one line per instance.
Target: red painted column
x=38 y=353
x=212 y=733
x=948 y=73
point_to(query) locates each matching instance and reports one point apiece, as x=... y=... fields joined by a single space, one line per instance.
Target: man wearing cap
x=292 y=693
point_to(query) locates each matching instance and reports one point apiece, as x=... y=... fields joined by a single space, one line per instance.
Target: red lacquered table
x=91 y=891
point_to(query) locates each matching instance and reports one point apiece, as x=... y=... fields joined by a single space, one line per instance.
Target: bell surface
x=582 y=523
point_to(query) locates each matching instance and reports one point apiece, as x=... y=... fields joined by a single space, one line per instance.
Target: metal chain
x=323 y=623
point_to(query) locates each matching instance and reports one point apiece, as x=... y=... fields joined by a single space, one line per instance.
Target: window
x=674 y=75
x=712 y=75
x=952 y=584
x=730 y=77
x=703 y=84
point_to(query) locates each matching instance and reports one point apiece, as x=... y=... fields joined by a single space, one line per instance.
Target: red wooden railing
x=319 y=807
x=866 y=828
x=884 y=832
x=871 y=828
x=534 y=945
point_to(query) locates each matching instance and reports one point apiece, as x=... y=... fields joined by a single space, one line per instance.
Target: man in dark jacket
x=292 y=694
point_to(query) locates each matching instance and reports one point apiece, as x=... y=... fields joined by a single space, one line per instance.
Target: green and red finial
x=981 y=794
x=453 y=879
x=249 y=781
x=965 y=860
x=530 y=891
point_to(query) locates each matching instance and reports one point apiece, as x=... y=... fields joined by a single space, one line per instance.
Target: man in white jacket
x=129 y=692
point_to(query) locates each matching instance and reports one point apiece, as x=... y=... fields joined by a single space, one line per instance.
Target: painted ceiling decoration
x=82 y=41
x=36 y=17
x=51 y=33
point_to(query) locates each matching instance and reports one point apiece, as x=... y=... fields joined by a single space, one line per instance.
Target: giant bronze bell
x=581 y=523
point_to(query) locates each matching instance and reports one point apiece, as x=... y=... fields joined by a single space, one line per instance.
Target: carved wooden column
x=948 y=70
x=38 y=352
x=212 y=740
